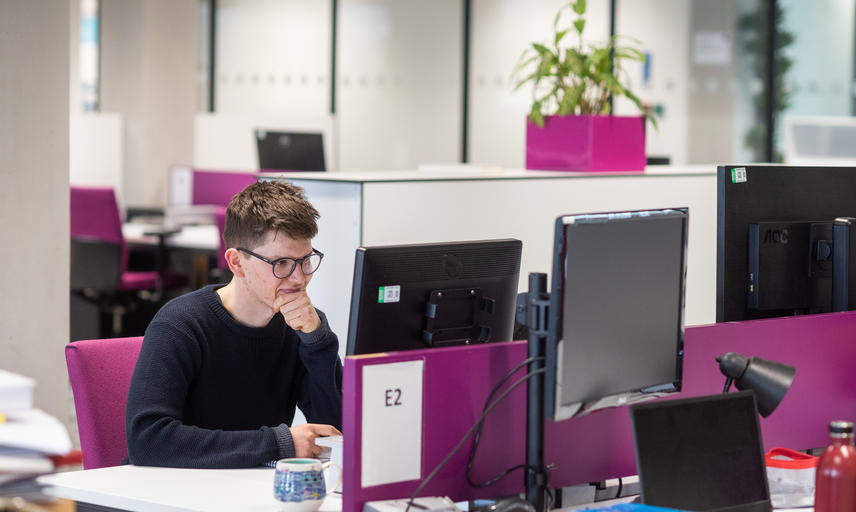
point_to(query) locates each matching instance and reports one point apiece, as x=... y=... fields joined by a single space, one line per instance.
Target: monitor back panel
x=381 y=321
x=769 y=194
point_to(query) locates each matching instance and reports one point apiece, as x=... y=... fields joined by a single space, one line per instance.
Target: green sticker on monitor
x=738 y=175
x=387 y=294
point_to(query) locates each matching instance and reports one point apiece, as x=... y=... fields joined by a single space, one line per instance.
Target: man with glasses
x=222 y=368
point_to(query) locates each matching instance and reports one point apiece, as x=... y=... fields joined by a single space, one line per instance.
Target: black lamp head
x=768 y=379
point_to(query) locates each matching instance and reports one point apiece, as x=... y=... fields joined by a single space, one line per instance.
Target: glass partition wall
x=424 y=82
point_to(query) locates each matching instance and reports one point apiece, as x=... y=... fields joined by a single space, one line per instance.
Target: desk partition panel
x=456 y=381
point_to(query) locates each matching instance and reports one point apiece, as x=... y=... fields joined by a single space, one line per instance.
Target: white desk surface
x=173 y=489
x=203 y=237
x=196 y=490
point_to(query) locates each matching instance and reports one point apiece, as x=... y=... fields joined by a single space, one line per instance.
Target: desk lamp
x=768 y=379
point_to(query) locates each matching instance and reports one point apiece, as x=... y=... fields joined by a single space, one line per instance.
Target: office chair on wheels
x=99 y=260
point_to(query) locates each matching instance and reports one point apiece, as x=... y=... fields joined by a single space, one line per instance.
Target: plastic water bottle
x=835 y=481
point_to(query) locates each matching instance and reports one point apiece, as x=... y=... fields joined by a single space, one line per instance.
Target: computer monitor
x=433 y=295
x=774 y=248
x=616 y=309
x=701 y=453
x=290 y=151
x=844 y=264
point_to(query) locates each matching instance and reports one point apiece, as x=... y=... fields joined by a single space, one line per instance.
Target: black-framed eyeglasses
x=284 y=267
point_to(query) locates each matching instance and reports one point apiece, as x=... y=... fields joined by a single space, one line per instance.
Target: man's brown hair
x=268 y=206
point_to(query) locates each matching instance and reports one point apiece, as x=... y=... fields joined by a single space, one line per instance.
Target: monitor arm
x=532 y=310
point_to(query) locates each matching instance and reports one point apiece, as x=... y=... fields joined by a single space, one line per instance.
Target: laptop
x=702 y=454
x=290 y=151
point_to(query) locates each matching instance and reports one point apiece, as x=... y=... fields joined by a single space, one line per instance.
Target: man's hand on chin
x=298 y=311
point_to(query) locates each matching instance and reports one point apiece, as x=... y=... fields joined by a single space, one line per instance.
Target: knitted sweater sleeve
x=320 y=390
x=155 y=433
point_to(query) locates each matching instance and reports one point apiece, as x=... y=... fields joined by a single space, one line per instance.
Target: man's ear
x=233 y=258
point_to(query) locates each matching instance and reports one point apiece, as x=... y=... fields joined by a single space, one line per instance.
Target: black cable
x=477 y=436
x=620 y=485
x=469 y=433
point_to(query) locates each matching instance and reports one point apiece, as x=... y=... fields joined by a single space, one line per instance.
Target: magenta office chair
x=218 y=188
x=99 y=257
x=100 y=373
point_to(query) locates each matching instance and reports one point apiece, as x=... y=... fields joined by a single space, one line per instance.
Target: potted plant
x=569 y=126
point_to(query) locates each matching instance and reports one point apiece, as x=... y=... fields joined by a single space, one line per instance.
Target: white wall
x=95 y=150
x=34 y=106
x=399 y=83
x=273 y=57
x=501 y=30
x=148 y=75
x=662 y=28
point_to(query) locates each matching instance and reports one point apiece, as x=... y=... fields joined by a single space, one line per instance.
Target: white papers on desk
x=16 y=392
x=13 y=464
x=36 y=431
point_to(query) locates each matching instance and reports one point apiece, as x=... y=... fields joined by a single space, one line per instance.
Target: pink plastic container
x=586 y=144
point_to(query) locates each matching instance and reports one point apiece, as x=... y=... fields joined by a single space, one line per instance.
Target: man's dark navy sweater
x=209 y=392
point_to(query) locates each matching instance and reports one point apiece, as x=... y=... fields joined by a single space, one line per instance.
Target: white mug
x=299 y=484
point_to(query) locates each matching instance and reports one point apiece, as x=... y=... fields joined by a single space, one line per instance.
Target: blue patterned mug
x=299 y=484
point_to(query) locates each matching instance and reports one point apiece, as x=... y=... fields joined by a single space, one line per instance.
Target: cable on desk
x=477 y=436
x=472 y=429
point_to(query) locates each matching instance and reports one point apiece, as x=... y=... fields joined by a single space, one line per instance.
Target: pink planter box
x=586 y=143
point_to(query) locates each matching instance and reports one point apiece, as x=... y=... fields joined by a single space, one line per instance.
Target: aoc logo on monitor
x=776 y=236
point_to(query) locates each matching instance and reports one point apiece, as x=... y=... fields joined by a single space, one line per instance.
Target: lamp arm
x=728 y=381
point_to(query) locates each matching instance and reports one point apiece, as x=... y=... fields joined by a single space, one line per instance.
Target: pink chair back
x=95 y=214
x=100 y=373
x=220 y=220
x=217 y=188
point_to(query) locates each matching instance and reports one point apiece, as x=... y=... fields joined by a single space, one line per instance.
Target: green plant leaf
x=540 y=48
x=535 y=114
x=575 y=62
x=524 y=63
x=557 y=17
x=547 y=60
x=525 y=80
x=641 y=107
x=599 y=60
x=579 y=80
x=629 y=53
x=571 y=99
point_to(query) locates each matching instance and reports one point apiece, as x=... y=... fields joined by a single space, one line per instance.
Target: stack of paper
x=16 y=392
x=27 y=436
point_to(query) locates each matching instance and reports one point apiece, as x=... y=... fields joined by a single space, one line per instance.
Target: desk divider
x=457 y=381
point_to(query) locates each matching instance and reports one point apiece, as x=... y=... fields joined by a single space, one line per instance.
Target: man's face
x=259 y=275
